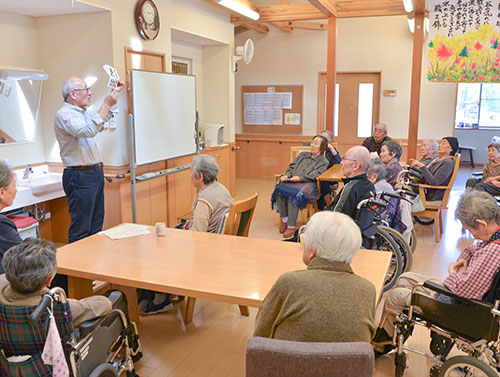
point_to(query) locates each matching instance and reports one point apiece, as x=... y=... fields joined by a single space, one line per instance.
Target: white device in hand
x=114 y=78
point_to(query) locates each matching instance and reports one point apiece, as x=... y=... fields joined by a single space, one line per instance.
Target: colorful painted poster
x=463 y=42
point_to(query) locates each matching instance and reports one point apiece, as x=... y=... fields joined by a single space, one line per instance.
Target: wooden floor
x=214 y=343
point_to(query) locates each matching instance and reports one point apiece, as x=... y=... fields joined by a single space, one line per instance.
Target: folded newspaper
x=125 y=231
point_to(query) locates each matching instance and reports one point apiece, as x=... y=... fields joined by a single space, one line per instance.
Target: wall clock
x=147 y=19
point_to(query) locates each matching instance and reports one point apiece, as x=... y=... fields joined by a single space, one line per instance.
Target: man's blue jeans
x=84 y=191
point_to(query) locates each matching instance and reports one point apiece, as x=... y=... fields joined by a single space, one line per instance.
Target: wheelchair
x=104 y=347
x=378 y=237
x=470 y=325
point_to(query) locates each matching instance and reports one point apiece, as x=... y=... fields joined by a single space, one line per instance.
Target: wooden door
x=354 y=108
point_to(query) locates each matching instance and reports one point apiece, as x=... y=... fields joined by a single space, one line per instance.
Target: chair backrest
x=447 y=191
x=240 y=216
x=21 y=338
x=296 y=150
x=274 y=357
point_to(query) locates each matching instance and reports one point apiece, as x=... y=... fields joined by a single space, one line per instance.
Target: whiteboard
x=164 y=108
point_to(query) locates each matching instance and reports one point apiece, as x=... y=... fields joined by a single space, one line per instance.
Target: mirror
x=20 y=93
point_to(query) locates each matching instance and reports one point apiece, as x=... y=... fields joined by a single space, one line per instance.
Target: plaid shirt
x=483 y=262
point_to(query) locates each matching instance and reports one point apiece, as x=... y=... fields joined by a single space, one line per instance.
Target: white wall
x=18 y=38
x=364 y=44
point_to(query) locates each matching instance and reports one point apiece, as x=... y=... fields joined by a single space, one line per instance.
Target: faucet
x=27 y=171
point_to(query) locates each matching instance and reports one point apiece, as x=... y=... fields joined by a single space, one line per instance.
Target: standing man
x=83 y=177
x=379 y=135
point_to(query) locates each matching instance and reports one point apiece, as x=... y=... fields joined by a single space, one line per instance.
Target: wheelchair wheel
x=404 y=248
x=413 y=240
x=466 y=366
x=384 y=242
x=400 y=363
x=104 y=370
x=423 y=220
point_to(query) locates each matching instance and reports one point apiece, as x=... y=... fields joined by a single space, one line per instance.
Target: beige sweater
x=81 y=310
x=325 y=303
x=211 y=203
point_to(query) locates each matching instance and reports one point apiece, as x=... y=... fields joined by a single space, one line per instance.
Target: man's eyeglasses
x=86 y=88
x=344 y=157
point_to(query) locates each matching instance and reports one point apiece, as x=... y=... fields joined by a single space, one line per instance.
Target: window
x=365 y=109
x=478 y=106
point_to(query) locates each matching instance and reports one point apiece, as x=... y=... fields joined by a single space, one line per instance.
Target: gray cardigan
x=438 y=173
x=307 y=167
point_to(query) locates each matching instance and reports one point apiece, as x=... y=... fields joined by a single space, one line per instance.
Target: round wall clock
x=147 y=19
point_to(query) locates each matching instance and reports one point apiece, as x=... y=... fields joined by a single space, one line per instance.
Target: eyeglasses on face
x=344 y=157
x=86 y=89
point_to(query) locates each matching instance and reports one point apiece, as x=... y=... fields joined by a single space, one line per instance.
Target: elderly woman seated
x=29 y=269
x=376 y=174
x=213 y=199
x=490 y=182
x=428 y=151
x=390 y=153
x=8 y=230
x=326 y=302
x=439 y=171
x=298 y=184
x=470 y=276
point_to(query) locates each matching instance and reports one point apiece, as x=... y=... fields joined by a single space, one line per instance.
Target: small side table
x=470 y=149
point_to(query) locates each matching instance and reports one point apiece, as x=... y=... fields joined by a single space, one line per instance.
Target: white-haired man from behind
x=326 y=302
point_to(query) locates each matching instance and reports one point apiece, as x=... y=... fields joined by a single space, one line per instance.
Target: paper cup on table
x=160 y=229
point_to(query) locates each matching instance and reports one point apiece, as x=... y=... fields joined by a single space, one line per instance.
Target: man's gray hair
x=333 y=235
x=68 y=86
x=377 y=167
x=29 y=265
x=362 y=156
x=329 y=133
x=433 y=144
x=206 y=165
x=477 y=205
x=393 y=147
x=6 y=174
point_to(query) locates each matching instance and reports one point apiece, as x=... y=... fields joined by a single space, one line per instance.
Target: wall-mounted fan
x=244 y=52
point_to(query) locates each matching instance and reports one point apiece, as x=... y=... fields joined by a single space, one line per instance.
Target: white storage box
x=26 y=226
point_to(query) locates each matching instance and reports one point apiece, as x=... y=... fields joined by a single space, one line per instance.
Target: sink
x=43 y=183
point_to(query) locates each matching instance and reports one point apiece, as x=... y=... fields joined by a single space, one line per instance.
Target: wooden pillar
x=331 y=71
x=416 y=78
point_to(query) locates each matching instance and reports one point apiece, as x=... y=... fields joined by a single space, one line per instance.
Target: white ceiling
x=41 y=8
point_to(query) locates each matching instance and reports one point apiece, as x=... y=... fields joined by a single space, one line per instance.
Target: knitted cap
x=453 y=143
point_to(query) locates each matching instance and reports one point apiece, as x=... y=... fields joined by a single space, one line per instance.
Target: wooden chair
x=296 y=150
x=433 y=209
x=238 y=221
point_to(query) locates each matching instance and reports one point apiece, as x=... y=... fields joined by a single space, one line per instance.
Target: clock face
x=147 y=19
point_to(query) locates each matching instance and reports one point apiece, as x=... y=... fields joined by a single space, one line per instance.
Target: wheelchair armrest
x=432 y=187
x=477 y=174
x=440 y=288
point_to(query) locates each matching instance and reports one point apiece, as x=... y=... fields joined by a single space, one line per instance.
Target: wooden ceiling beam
x=240 y=29
x=281 y=26
x=327 y=7
x=419 y=5
x=306 y=25
x=258 y=27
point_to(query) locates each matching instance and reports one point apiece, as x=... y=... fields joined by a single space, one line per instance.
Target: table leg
x=188 y=315
x=471 y=158
x=79 y=288
x=131 y=293
x=244 y=310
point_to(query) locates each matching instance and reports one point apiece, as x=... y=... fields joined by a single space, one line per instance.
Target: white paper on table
x=286 y=98
x=114 y=77
x=125 y=231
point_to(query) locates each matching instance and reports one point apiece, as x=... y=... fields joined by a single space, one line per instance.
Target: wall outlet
x=47 y=215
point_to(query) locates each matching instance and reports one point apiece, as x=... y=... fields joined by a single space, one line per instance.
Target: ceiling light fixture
x=408 y=4
x=240 y=8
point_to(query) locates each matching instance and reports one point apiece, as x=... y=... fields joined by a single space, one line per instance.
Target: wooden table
x=333 y=174
x=217 y=267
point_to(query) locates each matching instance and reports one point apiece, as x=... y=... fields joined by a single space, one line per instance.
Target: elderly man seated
x=326 y=302
x=357 y=187
x=490 y=182
x=29 y=269
x=379 y=135
x=470 y=276
x=428 y=151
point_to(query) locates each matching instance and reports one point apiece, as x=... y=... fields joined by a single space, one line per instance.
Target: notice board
x=272 y=108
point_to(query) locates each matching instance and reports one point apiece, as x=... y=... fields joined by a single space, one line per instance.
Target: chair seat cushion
x=434 y=203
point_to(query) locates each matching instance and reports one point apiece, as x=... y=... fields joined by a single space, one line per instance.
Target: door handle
x=235 y=148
